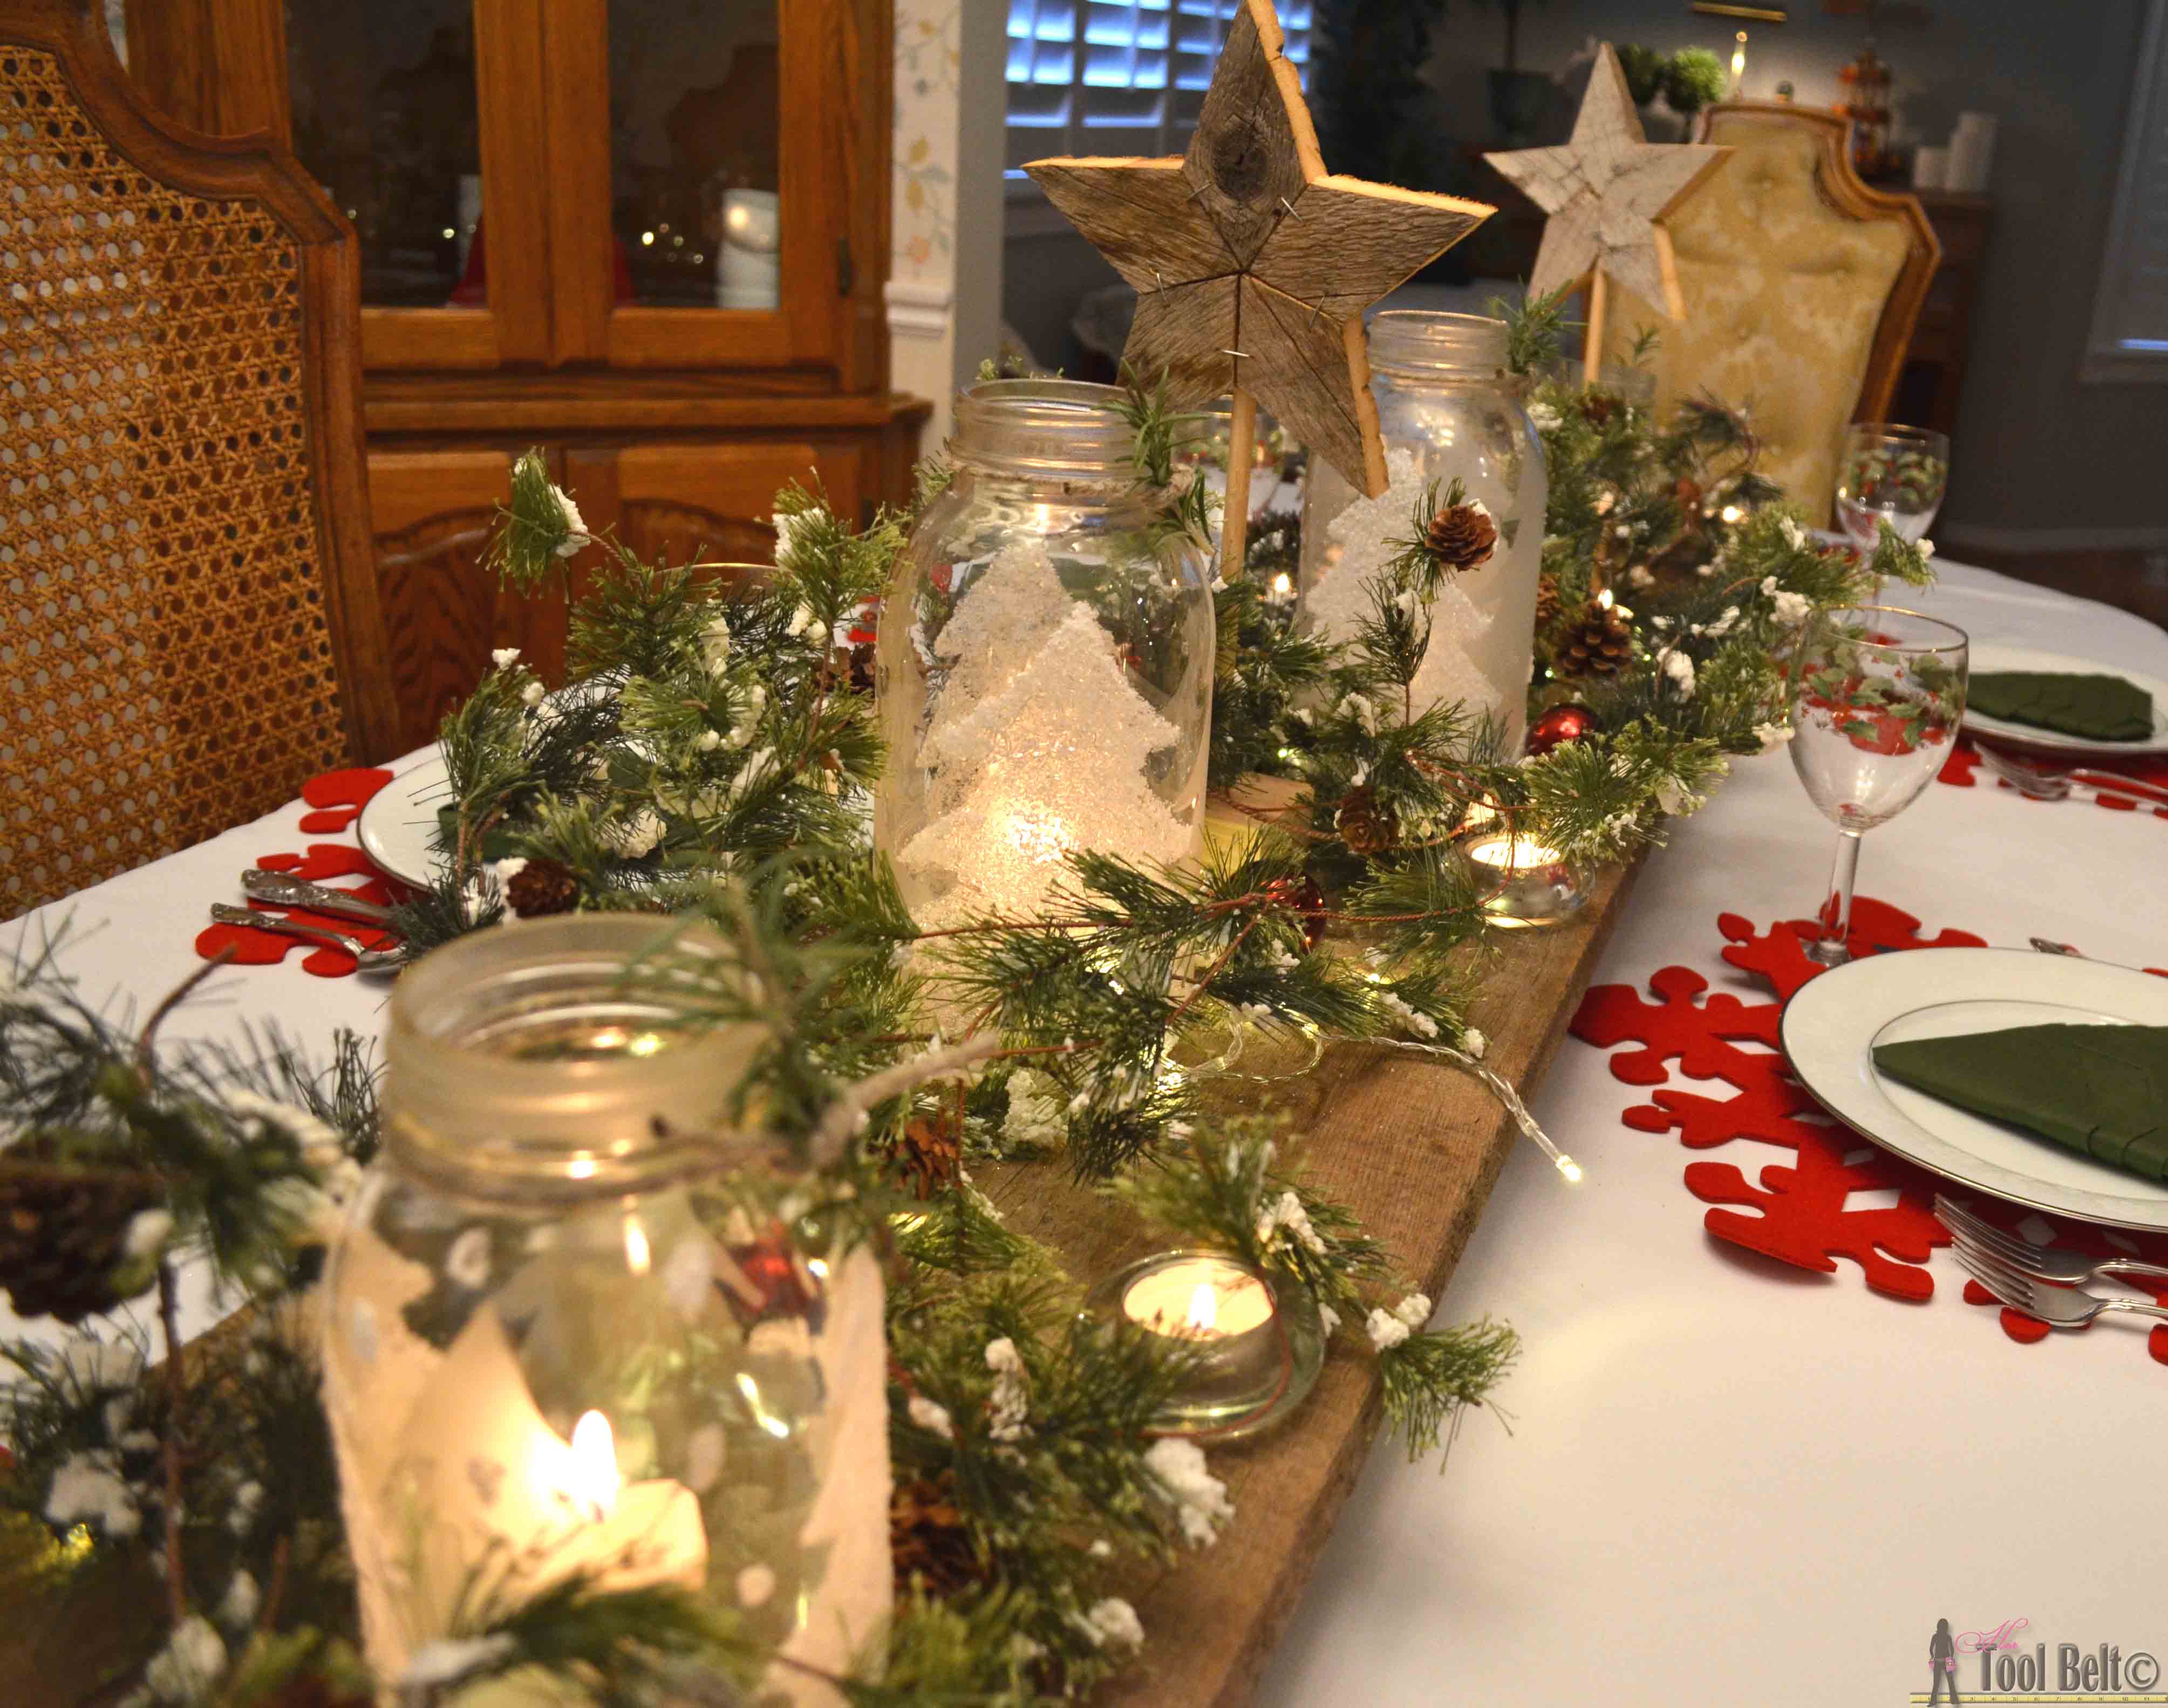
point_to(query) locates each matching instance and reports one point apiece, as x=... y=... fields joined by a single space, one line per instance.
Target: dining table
x=1712 y=1476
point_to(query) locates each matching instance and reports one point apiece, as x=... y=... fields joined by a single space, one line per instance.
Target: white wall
x=945 y=269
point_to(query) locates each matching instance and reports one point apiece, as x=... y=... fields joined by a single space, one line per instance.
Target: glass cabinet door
x=695 y=153
x=715 y=220
x=387 y=113
x=386 y=118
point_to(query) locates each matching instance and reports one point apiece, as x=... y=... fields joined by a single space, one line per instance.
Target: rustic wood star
x=1607 y=191
x=1253 y=265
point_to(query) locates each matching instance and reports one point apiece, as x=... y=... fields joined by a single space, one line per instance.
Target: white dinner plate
x=1987 y=657
x=1831 y=1027
x=398 y=827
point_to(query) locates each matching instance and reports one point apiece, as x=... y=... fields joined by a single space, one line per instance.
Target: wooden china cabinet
x=648 y=236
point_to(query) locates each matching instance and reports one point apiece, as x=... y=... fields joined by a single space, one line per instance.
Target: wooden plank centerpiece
x=1413 y=1146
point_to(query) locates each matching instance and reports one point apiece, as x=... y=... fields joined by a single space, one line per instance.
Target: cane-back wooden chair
x=188 y=620
x=1801 y=284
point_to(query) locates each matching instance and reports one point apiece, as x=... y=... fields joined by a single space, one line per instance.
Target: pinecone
x=1365 y=823
x=928 y=1152
x=1461 y=537
x=1548 y=603
x=1598 y=406
x=63 y=1229
x=1597 y=644
x=541 y=887
x=927 y=1539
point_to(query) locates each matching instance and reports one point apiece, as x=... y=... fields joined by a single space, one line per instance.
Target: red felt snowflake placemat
x=1802 y=1214
x=336 y=798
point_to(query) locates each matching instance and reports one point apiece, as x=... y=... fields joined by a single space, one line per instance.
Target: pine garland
x=716 y=765
x=1668 y=529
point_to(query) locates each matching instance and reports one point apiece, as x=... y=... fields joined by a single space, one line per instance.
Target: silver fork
x=365 y=960
x=2043 y=783
x=2046 y=1262
x=2063 y=1307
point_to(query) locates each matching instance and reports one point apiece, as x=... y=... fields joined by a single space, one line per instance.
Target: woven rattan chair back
x=189 y=621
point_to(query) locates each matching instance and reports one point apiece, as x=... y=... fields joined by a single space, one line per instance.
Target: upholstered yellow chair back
x=1801 y=287
x=188 y=620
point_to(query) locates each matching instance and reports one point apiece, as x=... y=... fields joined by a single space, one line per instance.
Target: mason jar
x=1044 y=669
x=560 y=1342
x=1448 y=410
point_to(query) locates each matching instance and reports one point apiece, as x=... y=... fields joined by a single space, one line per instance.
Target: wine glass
x=1877 y=693
x=1890 y=474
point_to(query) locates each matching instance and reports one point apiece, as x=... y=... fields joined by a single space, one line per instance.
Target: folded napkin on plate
x=2101 y=1090
x=2099 y=709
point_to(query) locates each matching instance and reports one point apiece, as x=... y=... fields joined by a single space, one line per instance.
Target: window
x=2129 y=338
x=1089 y=77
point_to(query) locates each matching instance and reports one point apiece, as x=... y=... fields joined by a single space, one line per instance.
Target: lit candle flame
x=1512 y=853
x=590 y=1473
x=1204 y=1309
x=638 y=1256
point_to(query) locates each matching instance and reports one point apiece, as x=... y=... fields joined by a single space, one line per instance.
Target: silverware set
x=282 y=890
x=2042 y=1280
x=2045 y=782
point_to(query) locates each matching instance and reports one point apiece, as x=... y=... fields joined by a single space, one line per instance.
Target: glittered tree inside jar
x=1045 y=664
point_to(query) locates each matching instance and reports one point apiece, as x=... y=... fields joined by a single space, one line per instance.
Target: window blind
x=2129 y=338
x=1119 y=77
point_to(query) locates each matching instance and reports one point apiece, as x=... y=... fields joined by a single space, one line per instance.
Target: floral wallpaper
x=926 y=58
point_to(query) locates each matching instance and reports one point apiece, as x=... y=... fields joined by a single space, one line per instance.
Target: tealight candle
x=649 y=1533
x=1512 y=853
x=1203 y=1298
x=1533 y=883
x=1251 y=1354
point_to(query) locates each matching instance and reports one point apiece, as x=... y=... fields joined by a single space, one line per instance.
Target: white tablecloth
x=1726 y=1481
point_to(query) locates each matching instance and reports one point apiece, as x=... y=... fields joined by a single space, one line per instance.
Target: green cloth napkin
x=2100 y=1091
x=2100 y=708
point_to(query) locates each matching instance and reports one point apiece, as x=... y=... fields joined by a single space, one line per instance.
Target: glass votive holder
x=1254 y=1348
x=1526 y=882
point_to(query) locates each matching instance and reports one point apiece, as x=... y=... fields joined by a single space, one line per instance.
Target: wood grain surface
x=1253 y=263
x=1607 y=191
x=1414 y=1146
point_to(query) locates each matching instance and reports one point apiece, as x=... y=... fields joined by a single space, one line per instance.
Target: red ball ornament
x=1560 y=725
x=1306 y=901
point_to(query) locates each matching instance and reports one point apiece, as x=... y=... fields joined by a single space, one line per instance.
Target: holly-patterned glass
x=1896 y=474
x=1877 y=695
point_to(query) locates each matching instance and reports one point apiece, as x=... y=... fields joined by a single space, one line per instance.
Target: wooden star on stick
x=1607 y=191
x=1252 y=264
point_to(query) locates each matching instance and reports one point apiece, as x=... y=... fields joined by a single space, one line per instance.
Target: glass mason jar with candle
x=1447 y=411
x=1045 y=664
x=561 y=1343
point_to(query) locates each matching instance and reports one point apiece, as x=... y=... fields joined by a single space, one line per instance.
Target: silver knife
x=284 y=890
